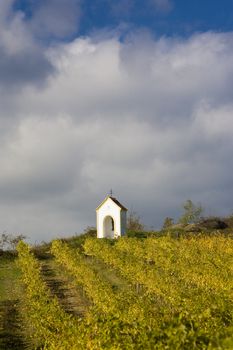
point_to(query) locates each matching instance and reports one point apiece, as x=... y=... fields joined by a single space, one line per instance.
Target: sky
x=129 y=95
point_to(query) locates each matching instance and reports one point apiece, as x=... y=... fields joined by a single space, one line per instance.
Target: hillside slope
x=158 y=292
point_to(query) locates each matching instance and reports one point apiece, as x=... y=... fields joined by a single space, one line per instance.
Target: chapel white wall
x=109 y=208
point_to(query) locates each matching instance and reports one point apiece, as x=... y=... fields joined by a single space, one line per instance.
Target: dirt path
x=13 y=330
x=11 y=336
x=69 y=294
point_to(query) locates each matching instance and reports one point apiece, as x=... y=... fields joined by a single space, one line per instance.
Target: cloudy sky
x=131 y=95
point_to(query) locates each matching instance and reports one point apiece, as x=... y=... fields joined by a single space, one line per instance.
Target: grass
x=9 y=276
x=108 y=274
x=11 y=335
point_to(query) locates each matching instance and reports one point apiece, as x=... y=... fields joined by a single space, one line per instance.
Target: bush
x=134 y=222
x=9 y=241
x=192 y=213
x=168 y=222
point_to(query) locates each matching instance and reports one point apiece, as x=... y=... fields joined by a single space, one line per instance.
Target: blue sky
x=129 y=95
x=181 y=18
x=161 y=17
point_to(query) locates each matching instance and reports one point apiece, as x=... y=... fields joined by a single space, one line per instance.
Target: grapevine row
x=204 y=262
x=121 y=319
x=126 y=329
x=56 y=330
x=127 y=318
x=53 y=328
x=158 y=263
x=186 y=290
x=135 y=270
x=125 y=305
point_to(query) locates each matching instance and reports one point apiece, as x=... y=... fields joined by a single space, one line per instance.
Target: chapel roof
x=115 y=201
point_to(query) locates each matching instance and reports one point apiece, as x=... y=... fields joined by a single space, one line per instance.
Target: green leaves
x=191 y=281
x=179 y=295
x=192 y=213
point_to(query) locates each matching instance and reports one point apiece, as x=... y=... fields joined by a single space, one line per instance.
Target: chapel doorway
x=108 y=227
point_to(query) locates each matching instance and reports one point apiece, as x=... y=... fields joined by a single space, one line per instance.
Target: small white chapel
x=111 y=218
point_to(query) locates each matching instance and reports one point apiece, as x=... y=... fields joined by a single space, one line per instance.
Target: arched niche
x=108 y=227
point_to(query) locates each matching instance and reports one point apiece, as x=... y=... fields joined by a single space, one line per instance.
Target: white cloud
x=216 y=123
x=150 y=119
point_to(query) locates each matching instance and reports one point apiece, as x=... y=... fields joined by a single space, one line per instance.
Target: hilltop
x=152 y=290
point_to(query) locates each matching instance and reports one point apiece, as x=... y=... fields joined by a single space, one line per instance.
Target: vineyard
x=131 y=293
